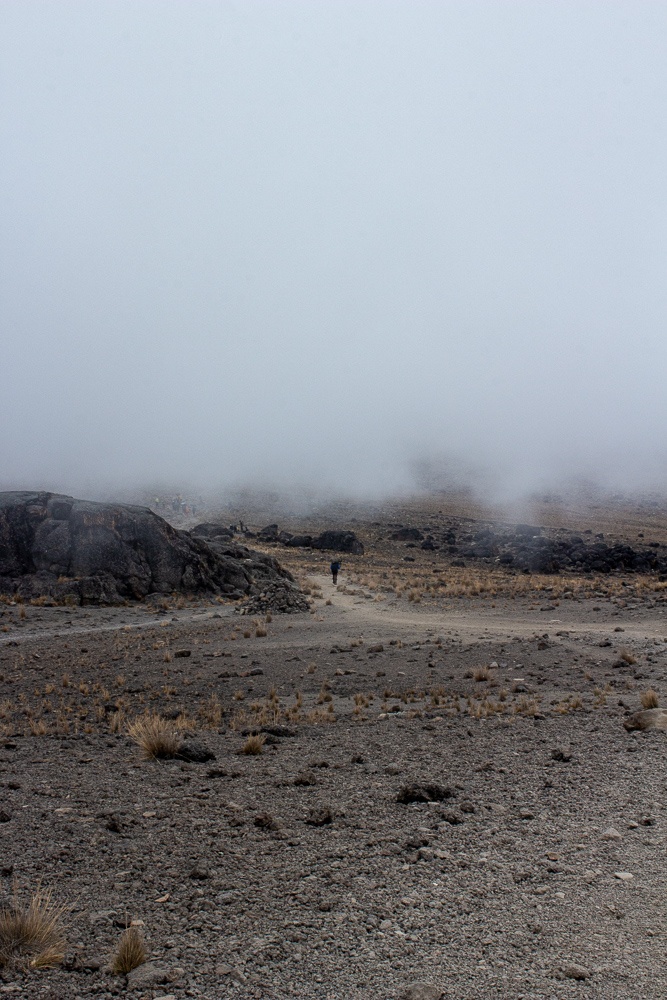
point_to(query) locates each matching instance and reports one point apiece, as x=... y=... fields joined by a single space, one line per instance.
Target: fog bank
x=333 y=249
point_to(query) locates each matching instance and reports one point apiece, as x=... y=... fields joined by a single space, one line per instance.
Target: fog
x=340 y=248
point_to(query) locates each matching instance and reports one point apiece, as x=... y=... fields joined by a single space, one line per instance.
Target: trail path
x=355 y=612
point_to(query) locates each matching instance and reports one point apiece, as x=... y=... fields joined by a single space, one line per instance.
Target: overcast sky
x=332 y=243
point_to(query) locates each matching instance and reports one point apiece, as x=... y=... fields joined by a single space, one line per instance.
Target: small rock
x=319 y=816
x=422 y=991
x=560 y=754
x=179 y=653
x=611 y=833
x=574 y=971
x=623 y=876
x=5 y=816
x=526 y=814
x=195 y=752
x=429 y=792
x=451 y=817
x=199 y=873
x=147 y=975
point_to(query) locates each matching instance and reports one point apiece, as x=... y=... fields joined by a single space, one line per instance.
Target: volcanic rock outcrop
x=56 y=546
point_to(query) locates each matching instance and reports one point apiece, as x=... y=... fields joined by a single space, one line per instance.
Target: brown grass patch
x=32 y=935
x=254 y=745
x=130 y=953
x=649 y=699
x=156 y=737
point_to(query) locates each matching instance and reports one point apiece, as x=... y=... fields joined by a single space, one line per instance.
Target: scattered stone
x=319 y=816
x=195 y=752
x=147 y=975
x=182 y=653
x=422 y=991
x=650 y=718
x=429 y=792
x=611 y=833
x=562 y=755
x=573 y=971
x=624 y=876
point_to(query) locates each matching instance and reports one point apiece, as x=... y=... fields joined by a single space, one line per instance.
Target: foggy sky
x=334 y=244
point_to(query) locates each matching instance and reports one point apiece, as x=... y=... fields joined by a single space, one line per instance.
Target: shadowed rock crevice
x=59 y=547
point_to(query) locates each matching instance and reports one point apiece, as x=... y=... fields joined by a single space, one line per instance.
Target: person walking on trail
x=335 y=568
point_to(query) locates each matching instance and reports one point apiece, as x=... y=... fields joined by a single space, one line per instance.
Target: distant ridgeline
x=54 y=546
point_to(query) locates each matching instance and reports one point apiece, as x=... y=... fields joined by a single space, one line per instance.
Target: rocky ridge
x=63 y=549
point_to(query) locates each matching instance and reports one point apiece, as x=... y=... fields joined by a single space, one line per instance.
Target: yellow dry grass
x=155 y=736
x=130 y=952
x=31 y=935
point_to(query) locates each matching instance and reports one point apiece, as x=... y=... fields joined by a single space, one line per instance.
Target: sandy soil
x=297 y=872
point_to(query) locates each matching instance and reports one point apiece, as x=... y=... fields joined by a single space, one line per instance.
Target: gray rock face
x=105 y=553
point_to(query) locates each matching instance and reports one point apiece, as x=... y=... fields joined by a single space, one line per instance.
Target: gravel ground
x=297 y=872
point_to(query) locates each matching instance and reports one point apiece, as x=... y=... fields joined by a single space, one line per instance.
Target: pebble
x=611 y=833
x=624 y=876
x=574 y=971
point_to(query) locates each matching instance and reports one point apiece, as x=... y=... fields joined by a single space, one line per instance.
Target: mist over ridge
x=334 y=251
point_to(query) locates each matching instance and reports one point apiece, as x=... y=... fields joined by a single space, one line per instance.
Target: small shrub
x=254 y=745
x=260 y=632
x=32 y=935
x=650 y=699
x=628 y=657
x=156 y=737
x=130 y=953
x=481 y=673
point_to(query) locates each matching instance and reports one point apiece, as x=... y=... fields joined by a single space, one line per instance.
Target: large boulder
x=339 y=541
x=104 y=553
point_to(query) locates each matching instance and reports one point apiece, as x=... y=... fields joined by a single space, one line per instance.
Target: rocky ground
x=536 y=870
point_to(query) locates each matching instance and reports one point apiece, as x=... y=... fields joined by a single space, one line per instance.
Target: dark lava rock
x=195 y=752
x=281 y=597
x=430 y=792
x=269 y=533
x=319 y=816
x=300 y=542
x=212 y=531
x=407 y=535
x=339 y=541
x=99 y=553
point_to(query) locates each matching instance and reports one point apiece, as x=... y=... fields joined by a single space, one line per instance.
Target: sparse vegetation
x=649 y=699
x=254 y=744
x=156 y=737
x=130 y=952
x=32 y=935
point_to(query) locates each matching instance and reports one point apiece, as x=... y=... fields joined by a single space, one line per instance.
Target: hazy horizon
x=337 y=249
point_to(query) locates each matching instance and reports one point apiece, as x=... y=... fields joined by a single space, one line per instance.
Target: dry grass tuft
x=130 y=953
x=254 y=744
x=628 y=657
x=650 y=699
x=32 y=935
x=481 y=673
x=156 y=737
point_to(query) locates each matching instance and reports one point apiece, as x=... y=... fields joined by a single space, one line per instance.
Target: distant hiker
x=335 y=568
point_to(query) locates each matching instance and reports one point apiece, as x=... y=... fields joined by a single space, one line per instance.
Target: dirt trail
x=354 y=611
x=500 y=622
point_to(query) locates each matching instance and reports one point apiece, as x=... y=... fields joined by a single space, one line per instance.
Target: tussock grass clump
x=628 y=657
x=155 y=736
x=481 y=673
x=32 y=935
x=254 y=745
x=649 y=699
x=130 y=953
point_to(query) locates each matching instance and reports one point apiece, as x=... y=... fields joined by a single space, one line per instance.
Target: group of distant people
x=177 y=504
